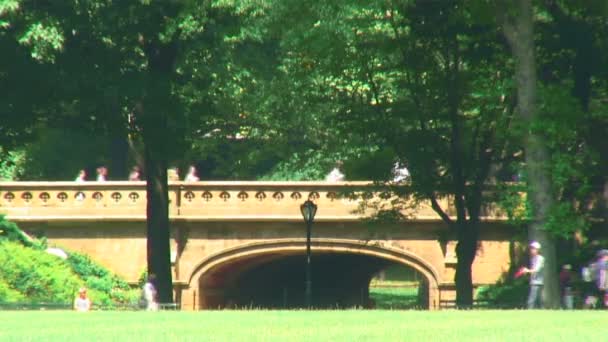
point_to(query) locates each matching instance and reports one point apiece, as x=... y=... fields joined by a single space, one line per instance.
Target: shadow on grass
x=395 y=298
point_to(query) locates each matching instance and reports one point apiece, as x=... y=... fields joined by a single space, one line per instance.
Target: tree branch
x=435 y=205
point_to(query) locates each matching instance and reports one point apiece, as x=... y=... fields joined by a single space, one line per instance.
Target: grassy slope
x=305 y=326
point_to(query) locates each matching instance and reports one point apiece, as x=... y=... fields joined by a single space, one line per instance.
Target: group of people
x=136 y=174
x=594 y=277
x=400 y=173
x=148 y=300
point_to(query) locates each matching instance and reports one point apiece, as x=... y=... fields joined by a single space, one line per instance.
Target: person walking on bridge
x=192 y=175
x=82 y=176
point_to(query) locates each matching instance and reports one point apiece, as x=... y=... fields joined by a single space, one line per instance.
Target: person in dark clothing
x=565 y=285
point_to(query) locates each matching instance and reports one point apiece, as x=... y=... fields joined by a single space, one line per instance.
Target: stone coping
x=129 y=184
x=142 y=218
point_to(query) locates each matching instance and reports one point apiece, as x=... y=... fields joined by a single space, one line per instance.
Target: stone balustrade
x=200 y=201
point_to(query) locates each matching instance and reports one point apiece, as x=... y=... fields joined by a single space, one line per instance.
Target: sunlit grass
x=304 y=326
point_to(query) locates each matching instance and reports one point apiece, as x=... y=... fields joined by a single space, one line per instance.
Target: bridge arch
x=204 y=276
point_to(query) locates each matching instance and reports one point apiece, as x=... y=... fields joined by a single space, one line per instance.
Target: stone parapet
x=210 y=201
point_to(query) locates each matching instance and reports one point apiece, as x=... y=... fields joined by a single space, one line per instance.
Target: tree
x=118 y=60
x=411 y=82
x=571 y=59
x=518 y=27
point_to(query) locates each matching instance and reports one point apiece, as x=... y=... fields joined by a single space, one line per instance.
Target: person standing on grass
x=82 y=303
x=601 y=277
x=536 y=269
x=149 y=293
x=565 y=285
x=589 y=291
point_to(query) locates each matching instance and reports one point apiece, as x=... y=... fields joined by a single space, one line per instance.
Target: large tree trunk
x=153 y=116
x=466 y=250
x=157 y=211
x=156 y=134
x=154 y=123
x=519 y=31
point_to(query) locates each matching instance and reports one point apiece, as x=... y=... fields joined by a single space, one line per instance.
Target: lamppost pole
x=308 y=293
x=309 y=210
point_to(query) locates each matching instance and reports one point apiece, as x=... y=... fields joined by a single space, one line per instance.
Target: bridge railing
x=70 y=199
x=212 y=201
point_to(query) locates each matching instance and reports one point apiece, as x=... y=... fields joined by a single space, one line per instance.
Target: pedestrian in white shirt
x=536 y=272
x=335 y=175
x=400 y=173
x=82 y=176
x=149 y=294
x=102 y=174
x=82 y=303
x=192 y=175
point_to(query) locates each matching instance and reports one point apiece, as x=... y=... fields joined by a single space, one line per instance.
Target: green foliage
x=279 y=90
x=59 y=153
x=143 y=277
x=11 y=164
x=7 y=7
x=512 y=199
x=9 y=295
x=573 y=163
x=37 y=275
x=9 y=231
x=45 y=39
x=310 y=165
x=509 y=293
x=29 y=273
x=106 y=288
x=371 y=165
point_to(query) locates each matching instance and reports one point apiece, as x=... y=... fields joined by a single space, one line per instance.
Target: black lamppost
x=308 y=209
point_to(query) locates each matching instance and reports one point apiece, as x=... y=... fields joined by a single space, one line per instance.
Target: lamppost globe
x=309 y=210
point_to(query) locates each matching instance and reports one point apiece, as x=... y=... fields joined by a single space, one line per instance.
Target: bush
x=506 y=294
x=9 y=231
x=105 y=287
x=29 y=273
x=8 y=295
x=36 y=275
x=11 y=164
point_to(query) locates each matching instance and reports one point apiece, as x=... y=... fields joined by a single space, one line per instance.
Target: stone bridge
x=238 y=243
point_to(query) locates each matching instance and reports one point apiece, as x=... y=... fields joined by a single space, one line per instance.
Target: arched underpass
x=275 y=279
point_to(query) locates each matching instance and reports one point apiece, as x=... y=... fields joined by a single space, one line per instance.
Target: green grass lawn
x=394 y=298
x=304 y=326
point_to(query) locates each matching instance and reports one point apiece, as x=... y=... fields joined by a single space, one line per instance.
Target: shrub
x=29 y=273
x=8 y=295
x=105 y=287
x=36 y=275
x=506 y=294
x=9 y=231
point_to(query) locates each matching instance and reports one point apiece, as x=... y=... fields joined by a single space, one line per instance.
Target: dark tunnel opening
x=339 y=280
